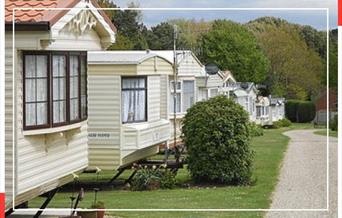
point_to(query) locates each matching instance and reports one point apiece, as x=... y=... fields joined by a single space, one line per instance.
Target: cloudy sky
x=315 y=18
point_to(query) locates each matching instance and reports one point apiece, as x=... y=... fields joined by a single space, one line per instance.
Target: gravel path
x=303 y=176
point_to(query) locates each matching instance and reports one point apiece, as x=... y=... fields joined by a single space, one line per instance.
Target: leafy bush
x=285 y=122
x=255 y=130
x=217 y=137
x=334 y=123
x=167 y=180
x=153 y=178
x=281 y=123
x=300 y=111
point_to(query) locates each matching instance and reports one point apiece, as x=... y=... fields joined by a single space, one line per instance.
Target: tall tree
x=129 y=25
x=296 y=68
x=231 y=46
x=190 y=31
x=161 y=36
x=108 y=4
x=333 y=62
x=314 y=39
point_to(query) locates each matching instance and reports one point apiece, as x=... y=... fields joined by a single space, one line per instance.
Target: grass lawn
x=269 y=150
x=323 y=132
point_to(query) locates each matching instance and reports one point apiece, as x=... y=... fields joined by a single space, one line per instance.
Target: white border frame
x=2 y=99
x=181 y=209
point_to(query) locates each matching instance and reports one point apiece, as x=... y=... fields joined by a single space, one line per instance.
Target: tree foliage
x=161 y=37
x=296 y=69
x=190 y=31
x=231 y=46
x=333 y=62
x=267 y=50
x=130 y=29
x=216 y=134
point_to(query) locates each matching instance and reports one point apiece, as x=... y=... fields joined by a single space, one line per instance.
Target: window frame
x=178 y=91
x=47 y=125
x=130 y=89
x=50 y=122
x=182 y=94
x=213 y=88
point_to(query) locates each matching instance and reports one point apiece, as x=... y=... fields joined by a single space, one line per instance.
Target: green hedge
x=334 y=123
x=300 y=111
x=216 y=134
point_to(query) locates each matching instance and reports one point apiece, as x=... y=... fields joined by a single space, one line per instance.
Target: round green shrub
x=285 y=122
x=281 y=123
x=255 y=130
x=276 y=125
x=216 y=134
x=300 y=111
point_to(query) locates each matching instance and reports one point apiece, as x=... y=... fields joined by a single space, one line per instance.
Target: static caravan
x=228 y=82
x=189 y=67
x=245 y=94
x=46 y=93
x=128 y=107
x=277 y=108
x=262 y=111
x=208 y=85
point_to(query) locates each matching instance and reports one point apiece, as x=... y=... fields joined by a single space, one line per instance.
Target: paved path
x=303 y=177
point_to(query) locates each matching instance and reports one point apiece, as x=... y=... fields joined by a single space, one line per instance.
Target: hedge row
x=300 y=111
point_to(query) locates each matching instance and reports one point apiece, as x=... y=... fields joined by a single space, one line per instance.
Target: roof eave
x=28 y=26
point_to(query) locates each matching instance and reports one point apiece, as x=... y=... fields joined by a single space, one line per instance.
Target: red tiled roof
x=37 y=16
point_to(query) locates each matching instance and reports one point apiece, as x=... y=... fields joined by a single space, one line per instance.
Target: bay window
x=54 y=88
x=134 y=99
x=59 y=91
x=74 y=88
x=36 y=90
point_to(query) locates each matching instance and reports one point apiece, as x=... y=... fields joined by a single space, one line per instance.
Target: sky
x=315 y=18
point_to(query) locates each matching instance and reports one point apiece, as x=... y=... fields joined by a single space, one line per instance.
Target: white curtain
x=188 y=94
x=178 y=103
x=133 y=100
x=36 y=89
x=59 y=88
x=74 y=87
x=83 y=87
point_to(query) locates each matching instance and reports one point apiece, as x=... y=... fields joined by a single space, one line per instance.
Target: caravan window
x=178 y=94
x=213 y=92
x=52 y=83
x=185 y=95
x=188 y=94
x=134 y=99
x=258 y=111
x=36 y=91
